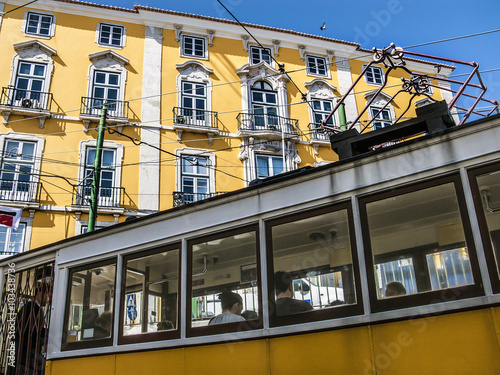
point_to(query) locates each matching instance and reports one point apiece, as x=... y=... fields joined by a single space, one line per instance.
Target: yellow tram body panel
x=458 y=343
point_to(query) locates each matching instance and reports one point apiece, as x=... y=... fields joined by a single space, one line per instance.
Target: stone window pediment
x=108 y=59
x=35 y=50
x=320 y=88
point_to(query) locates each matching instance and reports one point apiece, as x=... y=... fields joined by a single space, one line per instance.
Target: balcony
x=181 y=198
x=110 y=199
x=268 y=126
x=195 y=121
x=90 y=111
x=25 y=103
x=24 y=193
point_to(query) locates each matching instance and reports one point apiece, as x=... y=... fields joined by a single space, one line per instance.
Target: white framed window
x=195 y=178
x=194 y=46
x=258 y=54
x=107 y=78
x=106 y=86
x=374 y=75
x=12 y=241
x=264 y=103
x=38 y=24
x=30 y=82
x=195 y=174
x=321 y=110
x=17 y=180
x=111 y=35
x=107 y=186
x=194 y=102
x=317 y=66
x=110 y=177
x=268 y=165
x=383 y=118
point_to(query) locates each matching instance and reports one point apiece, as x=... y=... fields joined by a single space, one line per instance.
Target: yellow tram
x=138 y=297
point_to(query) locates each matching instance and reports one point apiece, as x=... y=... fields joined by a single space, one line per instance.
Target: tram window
x=149 y=302
x=417 y=243
x=314 y=250
x=486 y=191
x=224 y=263
x=89 y=308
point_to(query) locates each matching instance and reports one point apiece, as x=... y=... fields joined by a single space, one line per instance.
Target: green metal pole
x=96 y=178
x=342 y=118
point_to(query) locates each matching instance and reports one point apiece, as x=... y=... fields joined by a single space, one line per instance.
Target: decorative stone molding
x=108 y=59
x=381 y=96
x=342 y=63
x=194 y=69
x=178 y=30
x=250 y=74
x=276 y=47
x=34 y=49
x=244 y=39
x=302 y=51
x=320 y=88
x=329 y=56
x=153 y=32
x=211 y=34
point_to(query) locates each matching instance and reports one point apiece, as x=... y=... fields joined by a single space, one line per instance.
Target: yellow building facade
x=195 y=108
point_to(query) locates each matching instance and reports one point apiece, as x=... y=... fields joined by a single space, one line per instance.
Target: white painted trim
x=108 y=61
x=149 y=169
x=184 y=35
x=327 y=66
x=33 y=52
x=196 y=72
x=321 y=89
x=98 y=34
x=40 y=144
x=195 y=152
x=118 y=147
x=52 y=29
x=373 y=66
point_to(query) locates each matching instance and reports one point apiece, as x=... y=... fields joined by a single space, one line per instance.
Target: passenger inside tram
x=232 y=305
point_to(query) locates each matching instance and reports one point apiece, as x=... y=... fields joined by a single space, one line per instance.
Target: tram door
x=25 y=316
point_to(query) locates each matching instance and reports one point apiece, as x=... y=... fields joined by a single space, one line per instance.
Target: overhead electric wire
x=19 y=7
x=454 y=38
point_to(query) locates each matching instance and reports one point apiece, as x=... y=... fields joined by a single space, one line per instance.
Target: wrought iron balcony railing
x=195 y=117
x=116 y=109
x=182 y=198
x=268 y=122
x=318 y=133
x=109 y=197
x=25 y=99
x=20 y=191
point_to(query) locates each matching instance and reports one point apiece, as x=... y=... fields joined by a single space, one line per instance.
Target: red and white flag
x=9 y=217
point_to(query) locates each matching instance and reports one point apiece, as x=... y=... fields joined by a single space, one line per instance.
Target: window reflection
x=417 y=240
x=150 y=303
x=313 y=256
x=90 y=314
x=225 y=284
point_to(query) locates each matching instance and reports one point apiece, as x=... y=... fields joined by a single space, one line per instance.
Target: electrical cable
x=19 y=7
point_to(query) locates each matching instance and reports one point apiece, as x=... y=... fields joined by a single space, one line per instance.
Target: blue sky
x=372 y=23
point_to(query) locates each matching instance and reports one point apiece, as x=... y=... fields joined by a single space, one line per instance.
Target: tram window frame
x=429 y=296
x=149 y=336
x=489 y=251
x=94 y=342
x=326 y=313
x=227 y=327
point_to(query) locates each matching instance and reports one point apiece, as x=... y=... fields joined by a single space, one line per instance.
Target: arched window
x=264 y=104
